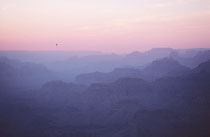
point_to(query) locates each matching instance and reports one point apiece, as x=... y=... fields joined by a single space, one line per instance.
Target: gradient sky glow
x=104 y=25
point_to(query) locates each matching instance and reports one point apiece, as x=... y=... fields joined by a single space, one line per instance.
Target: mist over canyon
x=162 y=92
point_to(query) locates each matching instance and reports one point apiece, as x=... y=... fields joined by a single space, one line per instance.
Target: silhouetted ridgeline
x=157 y=69
x=158 y=93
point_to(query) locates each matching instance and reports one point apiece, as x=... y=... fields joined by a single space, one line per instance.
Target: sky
x=104 y=25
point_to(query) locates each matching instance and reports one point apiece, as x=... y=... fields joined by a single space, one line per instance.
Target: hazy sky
x=104 y=25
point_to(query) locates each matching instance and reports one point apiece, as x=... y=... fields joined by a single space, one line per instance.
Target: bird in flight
x=56 y=44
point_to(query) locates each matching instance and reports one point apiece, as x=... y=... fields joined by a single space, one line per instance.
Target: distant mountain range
x=70 y=64
x=107 y=67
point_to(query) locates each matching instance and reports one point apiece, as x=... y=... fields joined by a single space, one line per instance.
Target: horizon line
x=98 y=51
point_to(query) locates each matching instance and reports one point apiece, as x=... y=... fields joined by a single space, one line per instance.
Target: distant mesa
x=165 y=67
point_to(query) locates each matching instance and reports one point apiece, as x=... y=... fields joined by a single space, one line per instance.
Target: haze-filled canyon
x=162 y=92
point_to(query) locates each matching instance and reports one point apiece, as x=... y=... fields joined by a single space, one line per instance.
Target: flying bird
x=56 y=44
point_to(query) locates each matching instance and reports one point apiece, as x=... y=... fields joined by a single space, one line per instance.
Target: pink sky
x=104 y=25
